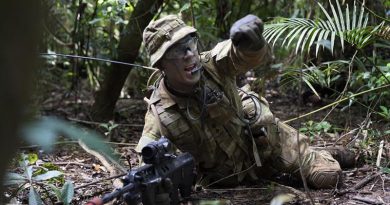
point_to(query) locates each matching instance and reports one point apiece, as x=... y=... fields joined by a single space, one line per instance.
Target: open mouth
x=189 y=68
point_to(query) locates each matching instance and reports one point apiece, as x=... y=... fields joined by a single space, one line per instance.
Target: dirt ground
x=82 y=167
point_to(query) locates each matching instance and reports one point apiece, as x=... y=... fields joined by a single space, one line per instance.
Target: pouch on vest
x=255 y=107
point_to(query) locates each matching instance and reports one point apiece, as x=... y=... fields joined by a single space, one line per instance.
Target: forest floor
x=81 y=167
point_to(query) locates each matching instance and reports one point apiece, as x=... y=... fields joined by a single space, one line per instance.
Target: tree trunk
x=129 y=44
x=221 y=22
x=19 y=38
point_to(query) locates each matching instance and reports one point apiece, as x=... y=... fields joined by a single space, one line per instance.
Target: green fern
x=348 y=27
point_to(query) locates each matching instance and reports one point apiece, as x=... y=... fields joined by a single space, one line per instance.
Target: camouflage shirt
x=216 y=140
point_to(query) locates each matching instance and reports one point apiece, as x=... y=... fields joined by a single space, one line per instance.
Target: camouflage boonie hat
x=160 y=35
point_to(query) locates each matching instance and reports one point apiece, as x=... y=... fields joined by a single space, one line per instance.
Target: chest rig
x=215 y=141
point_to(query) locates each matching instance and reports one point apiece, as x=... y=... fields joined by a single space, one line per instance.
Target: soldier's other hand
x=247 y=33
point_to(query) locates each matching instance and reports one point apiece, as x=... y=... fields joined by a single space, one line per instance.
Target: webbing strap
x=256 y=153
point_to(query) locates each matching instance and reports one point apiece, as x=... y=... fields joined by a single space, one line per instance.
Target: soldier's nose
x=189 y=53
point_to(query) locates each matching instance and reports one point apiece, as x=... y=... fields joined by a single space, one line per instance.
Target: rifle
x=161 y=166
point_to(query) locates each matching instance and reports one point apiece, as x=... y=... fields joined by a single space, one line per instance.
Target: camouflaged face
x=160 y=35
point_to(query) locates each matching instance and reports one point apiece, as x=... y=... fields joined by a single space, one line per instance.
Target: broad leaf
x=15 y=179
x=28 y=172
x=34 y=198
x=67 y=192
x=47 y=175
x=46 y=130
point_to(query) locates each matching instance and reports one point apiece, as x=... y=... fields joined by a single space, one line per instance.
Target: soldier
x=230 y=131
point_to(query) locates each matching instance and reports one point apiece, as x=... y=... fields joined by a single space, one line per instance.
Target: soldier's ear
x=160 y=65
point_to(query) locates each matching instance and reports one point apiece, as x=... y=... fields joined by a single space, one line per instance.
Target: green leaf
x=335 y=16
x=353 y=26
x=46 y=130
x=293 y=31
x=56 y=191
x=185 y=7
x=301 y=37
x=32 y=158
x=360 y=22
x=313 y=37
x=47 y=175
x=341 y=15
x=67 y=192
x=330 y=20
x=295 y=34
x=332 y=39
x=14 y=179
x=320 y=37
x=311 y=87
x=385 y=170
x=347 y=17
x=34 y=198
x=94 y=21
x=28 y=172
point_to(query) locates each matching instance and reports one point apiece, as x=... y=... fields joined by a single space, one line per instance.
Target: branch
x=337 y=102
x=56 y=39
x=95 y=182
x=360 y=184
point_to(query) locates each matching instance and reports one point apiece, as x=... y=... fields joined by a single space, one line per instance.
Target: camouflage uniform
x=220 y=142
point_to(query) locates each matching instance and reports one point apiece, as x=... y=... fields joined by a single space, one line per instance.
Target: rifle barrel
x=118 y=192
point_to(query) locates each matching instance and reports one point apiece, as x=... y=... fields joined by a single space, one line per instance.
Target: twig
x=102 y=159
x=307 y=190
x=74 y=163
x=345 y=86
x=71 y=142
x=99 y=123
x=231 y=175
x=293 y=190
x=95 y=182
x=367 y=200
x=339 y=101
x=360 y=184
x=236 y=189
x=373 y=184
x=342 y=136
x=379 y=157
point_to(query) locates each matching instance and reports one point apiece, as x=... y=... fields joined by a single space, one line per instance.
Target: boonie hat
x=161 y=34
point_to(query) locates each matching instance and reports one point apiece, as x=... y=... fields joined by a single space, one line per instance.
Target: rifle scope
x=155 y=152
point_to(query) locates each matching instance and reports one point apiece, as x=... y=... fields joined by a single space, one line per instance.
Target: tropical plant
x=33 y=177
x=313 y=129
x=350 y=26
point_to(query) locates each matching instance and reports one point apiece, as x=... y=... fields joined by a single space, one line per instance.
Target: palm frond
x=351 y=27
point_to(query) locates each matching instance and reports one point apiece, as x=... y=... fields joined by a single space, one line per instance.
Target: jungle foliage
x=341 y=47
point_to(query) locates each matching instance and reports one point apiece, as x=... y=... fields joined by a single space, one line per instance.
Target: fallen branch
x=360 y=184
x=103 y=160
x=73 y=163
x=367 y=200
x=98 y=181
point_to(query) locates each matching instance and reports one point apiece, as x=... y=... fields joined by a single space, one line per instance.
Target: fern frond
x=384 y=32
x=348 y=27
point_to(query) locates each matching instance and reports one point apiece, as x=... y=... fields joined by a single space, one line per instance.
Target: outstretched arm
x=246 y=49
